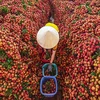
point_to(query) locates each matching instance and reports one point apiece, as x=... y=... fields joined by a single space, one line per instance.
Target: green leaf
x=25 y=85
x=2 y=27
x=82 y=85
x=1 y=98
x=36 y=0
x=99 y=12
x=0 y=1
x=18 y=13
x=4 y=64
x=8 y=64
x=93 y=73
x=96 y=53
x=33 y=40
x=10 y=61
x=73 y=21
x=99 y=42
x=16 y=97
x=37 y=64
x=4 y=9
x=89 y=9
x=77 y=97
x=47 y=55
x=80 y=6
x=9 y=92
x=23 y=2
x=9 y=67
x=19 y=67
x=94 y=56
x=24 y=53
x=68 y=33
x=87 y=3
x=86 y=88
x=22 y=21
x=67 y=8
x=81 y=51
x=77 y=17
x=8 y=43
x=13 y=17
x=24 y=30
x=30 y=3
x=80 y=94
x=24 y=6
x=2 y=54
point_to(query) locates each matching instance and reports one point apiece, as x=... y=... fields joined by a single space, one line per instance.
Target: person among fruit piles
x=48 y=38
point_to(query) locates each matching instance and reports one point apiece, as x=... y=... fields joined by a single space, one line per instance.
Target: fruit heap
x=19 y=58
x=77 y=57
x=95 y=80
x=49 y=86
x=79 y=46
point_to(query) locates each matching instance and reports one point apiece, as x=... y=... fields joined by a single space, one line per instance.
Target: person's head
x=48 y=36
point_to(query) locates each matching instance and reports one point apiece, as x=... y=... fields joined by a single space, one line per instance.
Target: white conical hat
x=47 y=37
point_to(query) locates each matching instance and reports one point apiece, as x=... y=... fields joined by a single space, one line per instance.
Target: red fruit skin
x=99 y=92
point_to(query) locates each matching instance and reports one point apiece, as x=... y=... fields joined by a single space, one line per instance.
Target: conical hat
x=47 y=37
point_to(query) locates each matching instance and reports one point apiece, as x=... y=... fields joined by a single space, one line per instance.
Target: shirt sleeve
x=55 y=48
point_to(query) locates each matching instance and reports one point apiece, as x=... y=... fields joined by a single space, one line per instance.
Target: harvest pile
x=78 y=49
x=49 y=86
x=77 y=57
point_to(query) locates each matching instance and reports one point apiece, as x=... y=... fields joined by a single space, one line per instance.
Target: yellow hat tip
x=53 y=25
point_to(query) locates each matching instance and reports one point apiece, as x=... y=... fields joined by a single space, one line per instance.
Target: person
x=48 y=38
